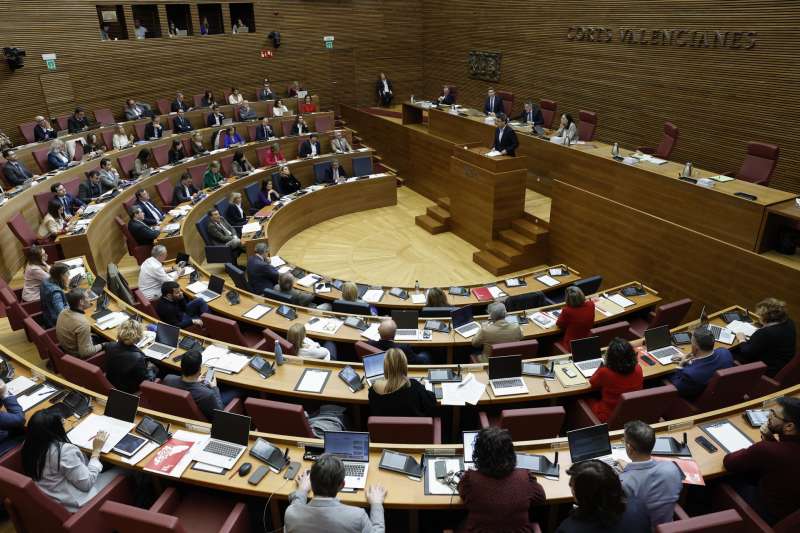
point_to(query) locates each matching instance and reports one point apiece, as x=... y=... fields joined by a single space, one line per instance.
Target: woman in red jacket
x=308 y=106
x=620 y=373
x=577 y=316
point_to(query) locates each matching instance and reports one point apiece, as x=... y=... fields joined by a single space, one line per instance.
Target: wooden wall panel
x=719 y=98
x=370 y=35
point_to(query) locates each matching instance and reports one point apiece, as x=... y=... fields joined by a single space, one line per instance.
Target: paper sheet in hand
x=36 y=397
x=371 y=332
x=373 y=296
x=728 y=436
x=620 y=300
x=83 y=434
x=737 y=326
x=257 y=312
x=433 y=485
x=252 y=227
x=547 y=280
x=312 y=380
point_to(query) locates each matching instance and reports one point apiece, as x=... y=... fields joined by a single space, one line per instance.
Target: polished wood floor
x=384 y=246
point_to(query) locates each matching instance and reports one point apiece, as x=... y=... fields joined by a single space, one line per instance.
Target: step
x=429 y=224
x=517 y=240
x=504 y=251
x=527 y=228
x=439 y=213
x=444 y=202
x=489 y=261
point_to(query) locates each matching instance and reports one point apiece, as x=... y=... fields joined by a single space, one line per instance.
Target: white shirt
x=72 y=480
x=235 y=99
x=500 y=134
x=312 y=350
x=386 y=86
x=280 y=110
x=313 y=148
x=151 y=276
x=120 y=141
x=140 y=32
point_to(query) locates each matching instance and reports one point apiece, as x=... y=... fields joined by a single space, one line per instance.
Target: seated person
x=58 y=467
x=265 y=92
x=141 y=165
x=264 y=130
x=279 y=109
x=234 y=213
x=286 y=180
x=92 y=147
x=336 y=173
x=176 y=152
x=246 y=112
x=207 y=397
x=109 y=177
x=395 y=394
x=92 y=188
x=576 y=318
x=497 y=330
x=286 y=287
x=267 y=194
x=36 y=271
x=14 y=170
x=52 y=294
x=601 y=503
x=173 y=309
x=78 y=122
x=294 y=88
x=179 y=104
x=619 y=373
x=135 y=110
x=308 y=348
x=339 y=143
x=657 y=484
x=493 y=104
x=531 y=114
x=197 y=146
x=310 y=147
x=505 y=138
x=12 y=420
x=72 y=205
x=185 y=190
x=53 y=224
x=235 y=98
x=774 y=342
x=435 y=297
x=142 y=233
x=768 y=470
x=300 y=127
x=275 y=155
x=499 y=495
x=154 y=130
x=213 y=176
x=126 y=364
x=240 y=165
x=73 y=330
x=386 y=331
x=215 y=118
x=181 y=124
x=260 y=273
x=153 y=274
x=326 y=512
x=697 y=368
x=568 y=130
x=43 y=131
x=208 y=99
x=57 y=157
x=221 y=232
x=446 y=98
x=308 y=106
x=121 y=139
x=230 y=137
x=152 y=214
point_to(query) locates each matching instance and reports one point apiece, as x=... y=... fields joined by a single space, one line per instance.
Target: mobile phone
x=440 y=469
x=209 y=376
x=705 y=443
x=570 y=373
x=291 y=472
x=258 y=475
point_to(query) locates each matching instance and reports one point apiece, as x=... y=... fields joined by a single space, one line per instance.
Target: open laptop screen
x=406 y=319
x=589 y=443
x=469 y=444
x=373 y=364
x=347 y=445
x=505 y=366
x=656 y=338
x=98 y=285
x=230 y=427
x=121 y=405
x=585 y=349
x=167 y=334
x=461 y=316
x=216 y=284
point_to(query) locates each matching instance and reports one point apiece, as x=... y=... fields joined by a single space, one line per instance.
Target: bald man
x=386 y=331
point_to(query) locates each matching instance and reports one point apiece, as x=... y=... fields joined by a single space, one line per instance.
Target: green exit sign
x=328 y=40
x=328 y=44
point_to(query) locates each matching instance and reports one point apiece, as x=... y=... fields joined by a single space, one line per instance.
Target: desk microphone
x=555 y=457
x=684 y=439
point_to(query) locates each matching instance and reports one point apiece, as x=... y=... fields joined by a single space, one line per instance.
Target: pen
x=546 y=387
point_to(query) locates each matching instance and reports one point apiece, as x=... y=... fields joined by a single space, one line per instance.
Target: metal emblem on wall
x=484 y=65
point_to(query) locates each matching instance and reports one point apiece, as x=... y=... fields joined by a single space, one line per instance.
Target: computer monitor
x=167 y=334
x=373 y=364
x=656 y=338
x=461 y=316
x=216 y=284
x=230 y=427
x=121 y=405
x=505 y=366
x=98 y=286
x=589 y=443
x=585 y=349
x=347 y=445
x=405 y=319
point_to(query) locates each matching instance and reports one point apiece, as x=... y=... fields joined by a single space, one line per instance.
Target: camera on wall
x=15 y=57
x=275 y=37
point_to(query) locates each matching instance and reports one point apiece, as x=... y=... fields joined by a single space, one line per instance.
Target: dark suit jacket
x=232 y=215
x=176 y=105
x=70 y=203
x=379 y=86
x=296 y=130
x=142 y=233
x=39 y=134
x=537 y=116
x=175 y=156
x=508 y=143
x=211 y=120
x=216 y=234
x=448 y=100
x=265 y=95
x=497 y=108
x=16 y=173
x=179 y=194
x=262 y=134
x=260 y=274
x=88 y=191
x=181 y=125
x=305 y=148
x=74 y=125
x=149 y=218
x=151 y=132
x=329 y=174
x=173 y=313
x=285 y=184
x=54 y=162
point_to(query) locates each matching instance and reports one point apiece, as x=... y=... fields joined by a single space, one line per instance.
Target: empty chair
x=63 y=122
x=18 y=311
x=26 y=130
x=609 y=331
x=272 y=338
x=38 y=335
x=196 y=511
x=587 y=125
x=215 y=253
x=528 y=300
x=787 y=376
x=648 y=405
x=281 y=418
x=108 y=137
x=251 y=192
x=759 y=163
x=227 y=330
x=528 y=348
x=354 y=308
x=364 y=348
x=85 y=374
x=588 y=285
x=722 y=522
x=196 y=172
x=175 y=401
x=138 y=128
x=362 y=166
x=161 y=154
x=286 y=126
x=670 y=314
x=320 y=169
x=125 y=164
x=508 y=101
x=667 y=144
x=405 y=429
x=40 y=156
x=47 y=343
x=549 y=109
x=226 y=162
x=163 y=106
x=238 y=276
x=527 y=424
x=139 y=251
x=725 y=497
x=198 y=100
x=272 y=294
x=104 y=117
x=323 y=123
x=261 y=155
x=222 y=205
x=42 y=200
x=164 y=189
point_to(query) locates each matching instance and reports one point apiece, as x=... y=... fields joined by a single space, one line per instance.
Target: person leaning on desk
x=505 y=138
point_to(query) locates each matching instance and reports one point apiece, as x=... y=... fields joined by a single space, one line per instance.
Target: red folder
x=482 y=294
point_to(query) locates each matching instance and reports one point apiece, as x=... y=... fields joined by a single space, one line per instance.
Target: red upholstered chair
x=726 y=387
x=42 y=200
x=227 y=330
x=405 y=429
x=549 y=112
x=508 y=101
x=271 y=338
x=104 y=117
x=138 y=128
x=610 y=331
x=144 y=305
x=789 y=375
x=198 y=100
x=108 y=138
x=251 y=132
x=667 y=144
x=286 y=125
x=63 y=122
x=527 y=349
x=587 y=125
x=40 y=156
x=176 y=401
x=161 y=154
x=164 y=189
x=39 y=336
x=261 y=154
x=26 y=130
x=72 y=186
x=32 y=511
x=527 y=424
x=125 y=164
x=226 y=93
x=281 y=418
x=648 y=405
x=759 y=164
x=364 y=348
x=23 y=232
x=18 y=311
x=227 y=165
x=725 y=497
x=197 y=172
x=670 y=314
x=139 y=251
x=163 y=106
x=85 y=374
x=78 y=154
x=187 y=146
x=723 y=522
x=323 y=123
x=195 y=511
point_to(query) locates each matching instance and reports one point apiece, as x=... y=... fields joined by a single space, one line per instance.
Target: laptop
x=227 y=121
x=353 y=449
x=214 y=290
x=121 y=405
x=228 y=441
x=407 y=324
x=96 y=289
x=589 y=443
x=586 y=355
x=373 y=367
x=301 y=94
x=468 y=440
x=463 y=323
x=659 y=344
x=723 y=335
x=505 y=375
x=166 y=341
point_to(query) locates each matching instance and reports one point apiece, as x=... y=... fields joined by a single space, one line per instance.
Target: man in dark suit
x=300 y=127
x=91 y=188
x=531 y=114
x=78 y=122
x=264 y=130
x=71 y=204
x=173 y=308
x=493 y=103
x=179 y=104
x=285 y=182
x=335 y=173
x=446 y=98
x=215 y=118
x=386 y=330
x=221 y=232
x=43 y=131
x=184 y=190
x=260 y=273
x=15 y=171
x=310 y=147
x=152 y=214
x=154 y=130
x=181 y=124
x=142 y=233
x=265 y=92
x=505 y=139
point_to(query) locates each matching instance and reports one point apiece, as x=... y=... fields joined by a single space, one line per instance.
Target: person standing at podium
x=505 y=138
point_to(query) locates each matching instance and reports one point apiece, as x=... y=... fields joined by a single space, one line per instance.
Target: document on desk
x=73 y=263
x=93 y=208
x=19 y=384
x=308 y=280
x=175 y=455
x=373 y=296
x=620 y=300
x=252 y=227
x=468 y=391
x=112 y=320
x=738 y=326
x=35 y=397
x=543 y=320
x=434 y=486
x=257 y=311
x=197 y=287
x=229 y=362
x=276 y=261
x=496 y=291
x=492 y=153
x=312 y=380
x=547 y=280
x=171 y=227
x=607 y=307
x=418 y=298
x=371 y=332
x=727 y=435
x=83 y=434
x=327 y=325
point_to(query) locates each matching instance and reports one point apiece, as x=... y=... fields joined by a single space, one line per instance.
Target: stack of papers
x=93 y=208
x=543 y=320
x=171 y=227
x=257 y=312
x=607 y=307
x=112 y=320
x=327 y=325
x=495 y=291
x=251 y=227
x=197 y=287
x=746 y=328
x=312 y=380
x=83 y=223
x=276 y=261
x=371 y=332
x=620 y=300
x=73 y=263
x=36 y=397
x=468 y=391
x=720 y=178
x=19 y=384
x=418 y=298
x=83 y=434
x=492 y=153
x=373 y=296
x=547 y=280
x=308 y=280
x=220 y=358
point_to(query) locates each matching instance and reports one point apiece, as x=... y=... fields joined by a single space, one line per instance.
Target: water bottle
x=89 y=279
x=279 y=354
x=416 y=286
x=412 y=98
x=615 y=150
x=687 y=170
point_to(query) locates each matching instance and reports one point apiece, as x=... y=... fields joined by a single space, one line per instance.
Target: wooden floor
x=384 y=246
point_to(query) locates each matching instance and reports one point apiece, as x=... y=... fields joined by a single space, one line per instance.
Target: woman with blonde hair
x=395 y=394
x=308 y=348
x=774 y=342
x=350 y=291
x=126 y=365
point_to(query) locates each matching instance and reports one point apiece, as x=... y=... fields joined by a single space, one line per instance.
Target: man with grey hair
x=152 y=273
x=497 y=330
x=325 y=512
x=260 y=272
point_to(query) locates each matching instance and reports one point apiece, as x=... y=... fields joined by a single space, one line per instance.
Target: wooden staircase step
x=439 y=213
x=494 y=264
x=517 y=240
x=504 y=251
x=444 y=202
x=429 y=224
x=528 y=228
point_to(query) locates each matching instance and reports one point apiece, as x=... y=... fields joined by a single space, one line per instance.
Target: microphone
x=555 y=458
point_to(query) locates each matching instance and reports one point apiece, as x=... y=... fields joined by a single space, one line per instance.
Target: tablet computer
x=400 y=462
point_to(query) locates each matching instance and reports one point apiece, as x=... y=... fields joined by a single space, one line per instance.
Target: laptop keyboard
x=664 y=352
x=464 y=330
x=354 y=469
x=716 y=330
x=507 y=383
x=589 y=365
x=160 y=348
x=220 y=448
x=406 y=333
